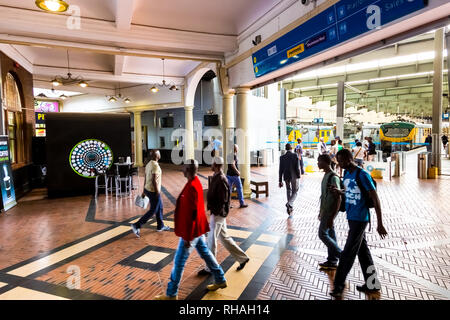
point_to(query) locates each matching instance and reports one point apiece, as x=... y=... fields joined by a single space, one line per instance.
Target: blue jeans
x=182 y=255
x=236 y=181
x=356 y=245
x=328 y=237
x=156 y=207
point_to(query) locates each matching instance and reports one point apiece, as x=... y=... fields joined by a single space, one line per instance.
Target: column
x=437 y=98
x=227 y=127
x=340 y=110
x=283 y=135
x=242 y=138
x=189 y=136
x=138 y=139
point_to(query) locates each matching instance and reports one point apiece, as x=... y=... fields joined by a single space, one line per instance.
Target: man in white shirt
x=152 y=189
x=322 y=147
x=359 y=154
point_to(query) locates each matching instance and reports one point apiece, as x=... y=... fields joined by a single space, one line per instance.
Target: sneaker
x=165 y=228
x=242 y=265
x=215 y=286
x=365 y=289
x=204 y=272
x=243 y=206
x=164 y=297
x=337 y=294
x=328 y=265
x=136 y=231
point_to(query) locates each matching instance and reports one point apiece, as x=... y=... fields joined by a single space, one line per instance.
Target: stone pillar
x=227 y=128
x=189 y=136
x=340 y=110
x=138 y=139
x=242 y=131
x=437 y=97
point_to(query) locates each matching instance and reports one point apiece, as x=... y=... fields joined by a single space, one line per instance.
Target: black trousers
x=356 y=245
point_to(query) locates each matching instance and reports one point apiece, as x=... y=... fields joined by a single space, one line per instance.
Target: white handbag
x=142 y=202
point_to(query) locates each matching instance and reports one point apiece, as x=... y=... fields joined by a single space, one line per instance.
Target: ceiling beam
x=124 y=14
x=108 y=76
x=119 y=63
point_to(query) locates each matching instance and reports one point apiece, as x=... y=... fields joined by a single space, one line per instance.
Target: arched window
x=13 y=117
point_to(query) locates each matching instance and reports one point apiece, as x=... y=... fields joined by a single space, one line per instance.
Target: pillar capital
x=188 y=108
x=242 y=90
x=137 y=112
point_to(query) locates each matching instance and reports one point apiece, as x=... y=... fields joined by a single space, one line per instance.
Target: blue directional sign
x=318 y=120
x=445 y=116
x=343 y=21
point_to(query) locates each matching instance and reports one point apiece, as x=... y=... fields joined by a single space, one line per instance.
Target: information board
x=6 y=177
x=343 y=21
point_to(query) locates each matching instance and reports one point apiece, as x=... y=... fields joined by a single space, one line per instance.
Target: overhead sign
x=6 y=180
x=343 y=21
x=445 y=116
x=318 y=120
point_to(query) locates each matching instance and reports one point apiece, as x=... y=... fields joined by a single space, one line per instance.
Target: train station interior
x=90 y=90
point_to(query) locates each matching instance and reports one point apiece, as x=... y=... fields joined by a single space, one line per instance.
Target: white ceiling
x=229 y=17
x=119 y=42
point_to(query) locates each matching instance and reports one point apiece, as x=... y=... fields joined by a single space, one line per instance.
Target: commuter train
x=310 y=134
x=397 y=136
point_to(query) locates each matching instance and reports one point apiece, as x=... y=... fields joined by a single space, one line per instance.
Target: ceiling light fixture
x=52 y=5
x=116 y=98
x=60 y=81
x=172 y=87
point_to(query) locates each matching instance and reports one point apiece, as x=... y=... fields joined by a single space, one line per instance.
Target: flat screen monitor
x=167 y=122
x=211 y=120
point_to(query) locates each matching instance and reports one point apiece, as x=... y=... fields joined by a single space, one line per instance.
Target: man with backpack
x=361 y=195
x=330 y=203
x=218 y=202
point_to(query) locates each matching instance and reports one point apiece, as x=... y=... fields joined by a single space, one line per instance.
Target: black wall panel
x=65 y=130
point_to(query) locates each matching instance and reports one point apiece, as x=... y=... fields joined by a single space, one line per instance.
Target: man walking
x=322 y=147
x=234 y=177
x=191 y=225
x=359 y=191
x=299 y=152
x=152 y=189
x=330 y=202
x=218 y=202
x=289 y=171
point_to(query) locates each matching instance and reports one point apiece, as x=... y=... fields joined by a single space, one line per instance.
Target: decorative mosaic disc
x=88 y=155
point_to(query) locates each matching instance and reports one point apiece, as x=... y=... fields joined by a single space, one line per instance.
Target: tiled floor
x=79 y=248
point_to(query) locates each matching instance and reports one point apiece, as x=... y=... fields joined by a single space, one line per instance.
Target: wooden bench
x=259 y=184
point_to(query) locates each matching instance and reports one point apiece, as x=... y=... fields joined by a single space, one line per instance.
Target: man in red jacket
x=191 y=225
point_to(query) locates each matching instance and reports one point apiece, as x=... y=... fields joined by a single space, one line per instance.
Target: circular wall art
x=88 y=155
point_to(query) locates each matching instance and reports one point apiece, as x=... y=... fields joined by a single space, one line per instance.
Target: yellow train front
x=402 y=136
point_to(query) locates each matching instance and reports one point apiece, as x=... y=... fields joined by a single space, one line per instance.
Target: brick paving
x=413 y=262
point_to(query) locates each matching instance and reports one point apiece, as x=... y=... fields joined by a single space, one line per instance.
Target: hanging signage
x=445 y=116
x=343 y=21
x=46 y=106
x=318 y=120
x=6 y=180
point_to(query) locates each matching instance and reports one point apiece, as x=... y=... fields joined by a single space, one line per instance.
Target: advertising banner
x=6 y=178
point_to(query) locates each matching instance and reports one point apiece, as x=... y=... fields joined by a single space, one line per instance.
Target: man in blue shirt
x=358 y=214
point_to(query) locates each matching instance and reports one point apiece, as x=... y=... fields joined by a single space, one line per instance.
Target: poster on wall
x=40 y=109
x=6 y=180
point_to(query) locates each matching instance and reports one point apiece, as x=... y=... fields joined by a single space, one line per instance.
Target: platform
x=46 y=244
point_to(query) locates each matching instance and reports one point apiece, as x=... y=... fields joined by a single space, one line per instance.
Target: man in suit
x=289 y=172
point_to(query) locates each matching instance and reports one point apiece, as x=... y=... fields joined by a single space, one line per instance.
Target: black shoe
x=337 y=294
x=203 y=272
x=242 y=265
x=365 y=289
x=243 y=205
x=328 y=265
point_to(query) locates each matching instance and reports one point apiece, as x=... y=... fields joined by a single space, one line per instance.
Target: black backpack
x=342 y=206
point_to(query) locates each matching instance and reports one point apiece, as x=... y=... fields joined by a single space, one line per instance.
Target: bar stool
x=123 y=176
x=134 y=171
x=98 y=174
